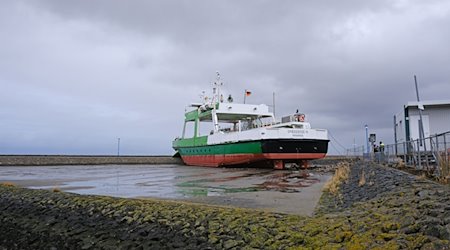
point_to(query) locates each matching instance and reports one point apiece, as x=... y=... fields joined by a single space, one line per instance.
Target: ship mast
x=216 y=100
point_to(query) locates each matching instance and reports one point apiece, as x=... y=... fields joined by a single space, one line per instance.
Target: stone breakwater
x=366 y=182
x=46 y=160
x=388 y=210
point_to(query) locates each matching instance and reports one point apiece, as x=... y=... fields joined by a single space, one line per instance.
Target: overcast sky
x=77 y=75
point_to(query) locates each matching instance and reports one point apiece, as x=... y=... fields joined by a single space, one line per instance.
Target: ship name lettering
x=292 y=131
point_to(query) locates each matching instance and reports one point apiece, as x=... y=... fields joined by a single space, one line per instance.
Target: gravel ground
x=385 y=209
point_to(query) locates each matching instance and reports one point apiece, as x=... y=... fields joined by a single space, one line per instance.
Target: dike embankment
x=367 y=207
x=49 y=160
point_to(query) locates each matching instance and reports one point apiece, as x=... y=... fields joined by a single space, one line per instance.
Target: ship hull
x=248 y=152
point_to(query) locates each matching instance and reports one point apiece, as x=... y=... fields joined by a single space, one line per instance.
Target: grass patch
x=400 y=163
x=341 y=175
x=362 y=179
x=8 y=184
x=444 y=168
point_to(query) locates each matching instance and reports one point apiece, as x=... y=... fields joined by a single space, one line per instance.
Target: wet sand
x=286 y=191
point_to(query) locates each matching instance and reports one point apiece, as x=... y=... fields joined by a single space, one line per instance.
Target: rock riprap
x=385 y=209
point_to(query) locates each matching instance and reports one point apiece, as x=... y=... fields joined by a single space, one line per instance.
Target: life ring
x=301 y=118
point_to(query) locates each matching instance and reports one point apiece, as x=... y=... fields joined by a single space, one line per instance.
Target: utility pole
x=118 y=146
x=367 y=142
x=421 y=132
x=420 y=107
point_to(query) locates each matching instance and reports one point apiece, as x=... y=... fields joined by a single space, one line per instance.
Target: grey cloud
x=127 y=68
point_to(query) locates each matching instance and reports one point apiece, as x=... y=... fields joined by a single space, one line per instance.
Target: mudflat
x=286 y=191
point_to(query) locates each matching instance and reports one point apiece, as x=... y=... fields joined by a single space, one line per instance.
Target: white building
x=436 y=120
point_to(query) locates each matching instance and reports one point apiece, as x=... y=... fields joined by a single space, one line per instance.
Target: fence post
x=437 y=143
x=410 y=147
x=412 y=152
x=418 y=154
x=426 y=153
x=438 y=154
x=404 y=153
x=388 y=155
x=445 y=147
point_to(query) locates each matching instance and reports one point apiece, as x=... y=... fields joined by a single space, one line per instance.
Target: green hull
x=250 y=151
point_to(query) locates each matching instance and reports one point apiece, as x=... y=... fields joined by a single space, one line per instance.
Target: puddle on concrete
x=249 y=181
x=159 y=181
x=242 y=187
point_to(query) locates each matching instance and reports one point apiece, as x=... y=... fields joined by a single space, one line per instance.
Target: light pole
x=367 y=141
x=118 y=146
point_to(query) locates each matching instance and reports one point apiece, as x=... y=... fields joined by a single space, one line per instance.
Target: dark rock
x=444 y=232
x=229 y=244
x=433 y=230
x=434 y=212
x=411 y=229
x=396 y=209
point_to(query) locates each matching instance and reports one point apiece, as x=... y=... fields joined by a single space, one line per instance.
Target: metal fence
x=431 y=154
x=355 y=151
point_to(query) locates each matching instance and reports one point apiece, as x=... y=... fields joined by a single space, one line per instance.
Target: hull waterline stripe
x=231 y=159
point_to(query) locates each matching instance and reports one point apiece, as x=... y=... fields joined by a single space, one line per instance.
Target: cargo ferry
x=242 y=134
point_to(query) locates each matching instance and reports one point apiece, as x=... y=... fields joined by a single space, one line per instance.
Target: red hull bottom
x=235 y=159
